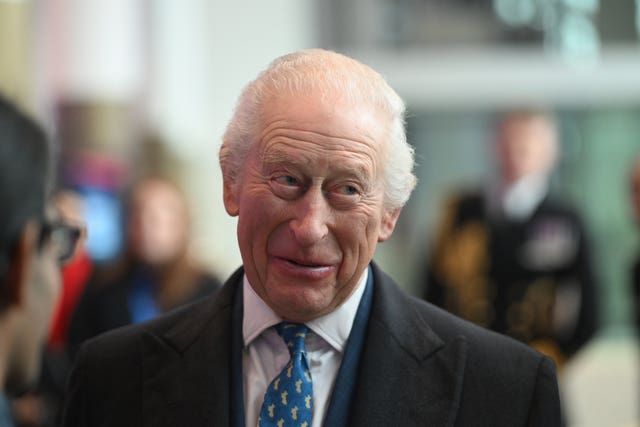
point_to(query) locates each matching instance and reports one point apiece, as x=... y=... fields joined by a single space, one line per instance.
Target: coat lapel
x=186 y=366
x=408 y=375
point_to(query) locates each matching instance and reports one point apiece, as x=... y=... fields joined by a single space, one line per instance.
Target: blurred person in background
x=513 y=258
x=34 y=241
x=41 y=407
x=157 y=273
x=635 y=271
x=75 y=274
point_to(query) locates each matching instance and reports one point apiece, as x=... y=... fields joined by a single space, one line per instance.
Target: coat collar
x=186 y=363
x=408 y=375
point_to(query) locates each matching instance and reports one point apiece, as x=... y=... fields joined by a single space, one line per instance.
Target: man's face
x=158 y=224
x=526 y=146
x=310 y=204
x=34 y=313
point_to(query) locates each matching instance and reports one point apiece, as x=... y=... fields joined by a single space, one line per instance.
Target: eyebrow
x=276 y=156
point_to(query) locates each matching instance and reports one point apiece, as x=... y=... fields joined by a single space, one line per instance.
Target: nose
x=309 y=224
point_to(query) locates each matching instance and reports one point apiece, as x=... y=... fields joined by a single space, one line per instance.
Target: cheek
x=260 y=214
x=359 y=231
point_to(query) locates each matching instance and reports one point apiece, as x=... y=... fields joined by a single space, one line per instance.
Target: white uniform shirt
x=265 y=353
x=521 y=199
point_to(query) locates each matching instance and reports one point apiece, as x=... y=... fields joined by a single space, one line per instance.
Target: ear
x=230 y=196
x=19 y=264
x=388 y=224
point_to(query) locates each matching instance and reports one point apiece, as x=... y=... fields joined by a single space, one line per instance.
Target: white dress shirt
x=265 y=354
x=519 y=200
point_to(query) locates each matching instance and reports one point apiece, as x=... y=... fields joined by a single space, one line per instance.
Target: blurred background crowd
x=525 y=118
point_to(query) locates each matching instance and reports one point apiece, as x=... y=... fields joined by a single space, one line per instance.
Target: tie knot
x=293 y=335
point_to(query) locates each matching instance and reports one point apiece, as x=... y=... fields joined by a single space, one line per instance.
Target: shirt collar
x=520 y=199
x=523 y=197
x=333 y=327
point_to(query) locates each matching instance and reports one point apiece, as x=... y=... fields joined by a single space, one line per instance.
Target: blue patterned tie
x=289 y=398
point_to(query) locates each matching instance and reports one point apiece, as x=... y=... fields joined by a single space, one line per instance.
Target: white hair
x=327 y=73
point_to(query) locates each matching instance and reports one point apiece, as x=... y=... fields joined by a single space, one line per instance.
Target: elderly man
x=32 y=245
x=310 y=332
x=514 y=258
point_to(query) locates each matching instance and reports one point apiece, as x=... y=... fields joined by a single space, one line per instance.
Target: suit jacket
x=420 y=366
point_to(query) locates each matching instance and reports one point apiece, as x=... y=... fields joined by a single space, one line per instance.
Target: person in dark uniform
x=514 y=259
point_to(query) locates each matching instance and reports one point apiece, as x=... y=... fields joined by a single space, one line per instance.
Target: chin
x=302 y=307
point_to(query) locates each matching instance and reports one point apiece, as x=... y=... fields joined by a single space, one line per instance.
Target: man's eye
x=345 y=196
x=286 y=186
x=286 y=180
x=347 y=190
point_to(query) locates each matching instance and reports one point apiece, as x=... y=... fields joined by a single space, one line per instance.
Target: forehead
x=154 y=192
x=526 y=129
x=313 y=124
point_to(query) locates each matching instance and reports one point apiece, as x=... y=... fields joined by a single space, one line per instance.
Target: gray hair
x=328 y=73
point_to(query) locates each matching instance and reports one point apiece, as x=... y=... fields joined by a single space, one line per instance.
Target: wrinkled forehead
x=325 y=118
x=305 y=129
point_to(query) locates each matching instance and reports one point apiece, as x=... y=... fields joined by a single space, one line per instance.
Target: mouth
x=304 y=263
x=311 y=269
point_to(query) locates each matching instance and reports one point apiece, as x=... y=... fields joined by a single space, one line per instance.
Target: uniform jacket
x=531 y=279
